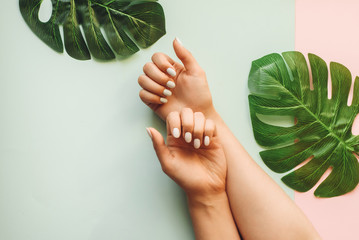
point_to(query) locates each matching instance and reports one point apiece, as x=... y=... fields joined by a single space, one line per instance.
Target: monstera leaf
x=143 y=20
x=322 y=132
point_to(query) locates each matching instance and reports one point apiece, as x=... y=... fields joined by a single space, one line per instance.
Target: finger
x=164 y=63
x=185 y=56
x=209 y=132
x=151 y=86
x=148 y=97
x=187 y=124
x=199 y=121
x=162 y=151
x=174 y=124
x=152 y=71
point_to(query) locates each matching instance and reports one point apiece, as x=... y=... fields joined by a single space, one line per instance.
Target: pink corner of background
x=330 y=29
x=334 y=218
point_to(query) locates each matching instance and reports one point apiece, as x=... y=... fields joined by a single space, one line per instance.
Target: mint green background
x=75 y=160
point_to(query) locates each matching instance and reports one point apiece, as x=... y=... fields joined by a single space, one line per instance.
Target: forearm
x=212 y=218
x=260 y=207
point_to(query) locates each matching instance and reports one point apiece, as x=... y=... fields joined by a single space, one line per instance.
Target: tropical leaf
x=127 y=24
x=323 y=130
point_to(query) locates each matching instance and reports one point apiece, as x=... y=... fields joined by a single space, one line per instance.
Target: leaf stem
x=127 y=15
x=318 y=120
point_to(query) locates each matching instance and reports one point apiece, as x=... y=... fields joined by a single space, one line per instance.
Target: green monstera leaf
x=143 y=20
x=323 y=130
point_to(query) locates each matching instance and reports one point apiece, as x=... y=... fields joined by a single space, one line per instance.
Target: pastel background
x=329 y=29
x=75 y=160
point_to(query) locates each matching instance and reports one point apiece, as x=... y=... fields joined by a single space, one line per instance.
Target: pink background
x=330 y=29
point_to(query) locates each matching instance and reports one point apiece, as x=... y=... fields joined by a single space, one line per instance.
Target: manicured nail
x=188 y=137
x=196 y=143
x=206 y=141
x=171 y=84
x=167 y=92
x=149 y=132
x=179 y=41
x=171 y=72
x=163 y=100
x=176 y=132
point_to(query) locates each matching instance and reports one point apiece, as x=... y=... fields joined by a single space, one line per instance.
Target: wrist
x=212 y=114
x=207 y=201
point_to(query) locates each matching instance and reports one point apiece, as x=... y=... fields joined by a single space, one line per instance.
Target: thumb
x=185 y=56
x=162 y=151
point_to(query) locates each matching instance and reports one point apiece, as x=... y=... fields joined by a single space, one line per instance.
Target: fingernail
x=163 y=100
x=176 y=132
x=149 y=132
x=171 y=84
x=171 y=72
x=196 y=143
x=179 y=41
x=167 y=92
x=188 y=137
x=206 y=141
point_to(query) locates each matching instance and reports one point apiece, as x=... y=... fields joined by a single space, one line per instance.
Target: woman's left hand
x=193 y=157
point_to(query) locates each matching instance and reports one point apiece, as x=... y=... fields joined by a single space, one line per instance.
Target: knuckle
x=210 y=123
x=163 y=79
x=172 y=115
x=156 y=55
x=142 y=94
x=147 y=66
x=199 y=115
x=187 y=110
x=140 y=79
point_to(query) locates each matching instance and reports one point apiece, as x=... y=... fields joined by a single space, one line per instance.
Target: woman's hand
x=195 y=160
x=193 y=157
x=170 y=86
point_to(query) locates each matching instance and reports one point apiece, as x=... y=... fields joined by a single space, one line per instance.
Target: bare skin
x=261 y=209
x=200 y=171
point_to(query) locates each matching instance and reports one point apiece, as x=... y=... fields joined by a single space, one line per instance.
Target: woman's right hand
x=169 y=86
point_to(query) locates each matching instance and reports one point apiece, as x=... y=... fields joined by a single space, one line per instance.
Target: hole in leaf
x=355 y=126
x=351 y=92
x=45 y=11
x=329 y=86
x=357 y=157
x=280 y=121
x=304 y=162
x=311 y=85
x=324 y=176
